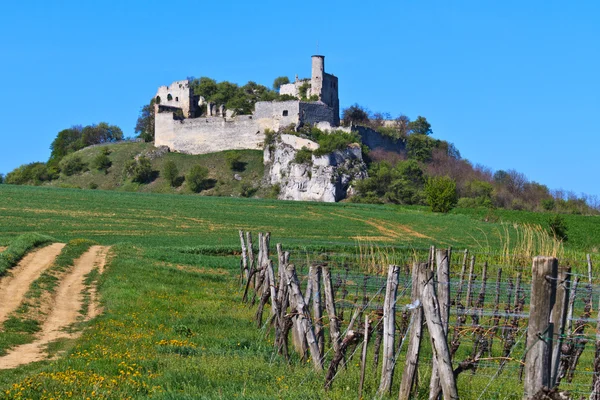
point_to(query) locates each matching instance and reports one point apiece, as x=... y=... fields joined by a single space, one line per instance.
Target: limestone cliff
x=323 y=178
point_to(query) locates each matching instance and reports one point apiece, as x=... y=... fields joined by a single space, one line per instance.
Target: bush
x=336 y=140
x=72 y=165
x=548 y=204
x=93 y=186
x=441 y=194
x=303 y=156
x=557 y=227
x=30 y=174
x=170 y=172
x=233 y=161
x=102 y=162
x=139 y=170
x=196 y=178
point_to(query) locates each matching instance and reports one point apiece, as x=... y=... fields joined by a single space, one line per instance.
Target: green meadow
x=174 y=326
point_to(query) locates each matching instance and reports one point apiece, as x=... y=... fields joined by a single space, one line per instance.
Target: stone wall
x=208 y=135
x=277 y=114
x=181 y=96
x=329 y=95
x=375 y=140
x=315 y=112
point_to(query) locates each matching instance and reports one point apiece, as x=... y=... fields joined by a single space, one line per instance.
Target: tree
x=420 y=126
x=233 y=161
x=144 y=126
x=282 y=80
x=440 y=192
x=101 y=133
x=67 y=141
x=29 y=174
x=140 y=170
x=170 y=172
x=407 y=183
x=196 y=178
x=355 y=114
x=420 y=147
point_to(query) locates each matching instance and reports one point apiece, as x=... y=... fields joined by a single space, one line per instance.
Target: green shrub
x=102 y=162
x=557 y=227
x=30 y=174
x=139 y=170
x=303 y=156
x=19 y=247
x=233 y=161
x=336 y=140
x=170 y=172
x=72 y=165
x=548 y=204
x=93 y=185
x=441 y=194
x=196 y=178
x=275 y=191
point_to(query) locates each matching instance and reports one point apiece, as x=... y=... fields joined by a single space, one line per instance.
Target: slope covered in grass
x=220 y=181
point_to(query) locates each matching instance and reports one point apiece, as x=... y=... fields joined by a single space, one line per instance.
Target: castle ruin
x=181 y=124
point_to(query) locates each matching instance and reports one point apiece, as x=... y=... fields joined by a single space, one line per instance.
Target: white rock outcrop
x=326 y=178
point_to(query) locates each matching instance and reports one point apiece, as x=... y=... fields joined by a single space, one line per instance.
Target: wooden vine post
x=559 y=320
x=439 y=345
x=414 y=340
x=334 y=324
x=389 y=330
x=303 y=320
x=443 y=295
x=538 y=359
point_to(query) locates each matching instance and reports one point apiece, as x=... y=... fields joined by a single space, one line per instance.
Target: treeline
x=407 y=178
x=61 y=160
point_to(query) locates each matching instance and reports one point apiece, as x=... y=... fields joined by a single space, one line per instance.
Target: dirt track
x=14 y=286
x=65 y=310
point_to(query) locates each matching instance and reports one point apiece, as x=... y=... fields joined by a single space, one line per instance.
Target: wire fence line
x=488 y=317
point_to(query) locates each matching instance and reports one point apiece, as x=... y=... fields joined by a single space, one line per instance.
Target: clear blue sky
x=513 y=84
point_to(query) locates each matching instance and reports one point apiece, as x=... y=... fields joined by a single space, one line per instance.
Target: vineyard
x=362 y=316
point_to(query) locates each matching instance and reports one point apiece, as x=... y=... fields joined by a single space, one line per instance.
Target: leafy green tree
x=1 y=179
x=355 y=114
x=440 y=192
x=196 y=178
x=420 y=147
x=420 y=126
x=72 y=165
x=144 y=126
x=170 y=172
x=407 y=183
x=139 y=170
x=281 y=80
x=204 y=87
x=67 y=141
x=303 y=156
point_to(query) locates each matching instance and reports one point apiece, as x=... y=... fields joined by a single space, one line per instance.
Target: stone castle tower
x=324 y=85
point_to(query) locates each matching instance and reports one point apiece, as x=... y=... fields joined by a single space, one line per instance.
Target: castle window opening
x=169 y=97
x=176 y=98
x=285 y=113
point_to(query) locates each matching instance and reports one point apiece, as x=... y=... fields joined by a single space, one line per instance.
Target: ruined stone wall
x=181 y=95
x=277 y=114
x=329 y=95
x=375 y=140
x=315 y=112
x=208 y=135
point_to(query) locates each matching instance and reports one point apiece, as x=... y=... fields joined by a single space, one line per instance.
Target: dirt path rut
x=14 y=286
x=65 y=310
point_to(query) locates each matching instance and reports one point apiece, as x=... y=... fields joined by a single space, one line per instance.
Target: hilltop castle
x=182 y=124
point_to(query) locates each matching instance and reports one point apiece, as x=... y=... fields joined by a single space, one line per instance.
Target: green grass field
x=174 y=326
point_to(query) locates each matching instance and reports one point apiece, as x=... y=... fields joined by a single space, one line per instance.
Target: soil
x=65 y=311
x=2 y=248
x=14 y=285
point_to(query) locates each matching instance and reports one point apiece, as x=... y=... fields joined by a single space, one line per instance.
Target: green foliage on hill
x=440 y=192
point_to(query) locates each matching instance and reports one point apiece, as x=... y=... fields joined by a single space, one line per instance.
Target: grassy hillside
x=221 y=177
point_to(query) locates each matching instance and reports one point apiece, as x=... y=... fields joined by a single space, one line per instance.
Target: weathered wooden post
x=595 y=395
x=443 y=295
x=559 y=319
x=439 y=345
x=363 y=358
x=244 y=272
x=334 y=324
x=414 y=340
x=303 y=320
x=389 y=330
x=317 y=304
x=538 y=360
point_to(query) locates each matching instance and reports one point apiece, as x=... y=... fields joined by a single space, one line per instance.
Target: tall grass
x=19 y=247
